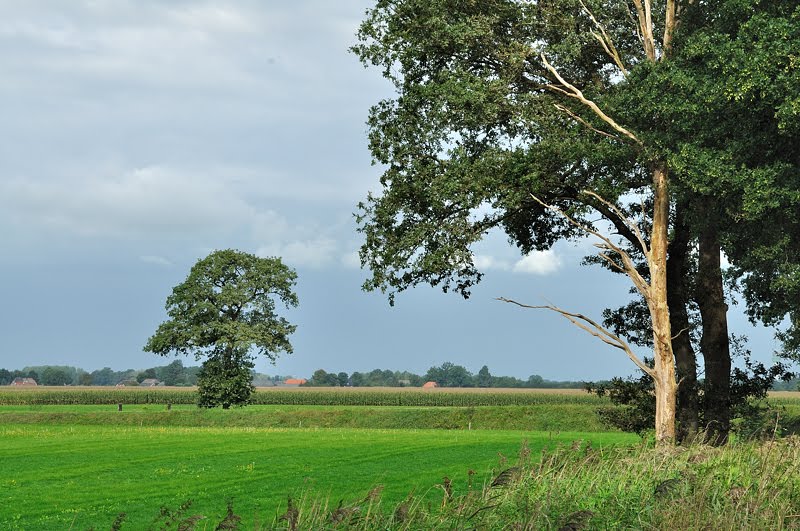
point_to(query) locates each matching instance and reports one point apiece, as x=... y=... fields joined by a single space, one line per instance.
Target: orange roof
x=294 y=381
x=428 y=385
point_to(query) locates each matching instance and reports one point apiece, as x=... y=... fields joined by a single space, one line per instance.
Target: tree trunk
x=685 y=357
x=714 y=344
x=664 y=370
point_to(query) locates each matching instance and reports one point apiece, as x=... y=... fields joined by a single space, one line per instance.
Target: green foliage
x=224 y=310
x=634 y=401
x=53 y=376
x=144 y=375
x=105 y=376
x=472 y=127
x=321 y=378
x=788 y=385
x=48 y=374
x=752 y=414
x=228 y=301
x=484 y=377
x=450 y=375
x=225 y=382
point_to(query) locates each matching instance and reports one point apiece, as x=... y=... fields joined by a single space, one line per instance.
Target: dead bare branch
x=584 y=122
x=628 y=222
x=612 y=262
x=574 y=92
x=646 y=27
x=606 y=42
x=628 y=266
x=682 y=330
x=590 y=326
x=670 y=23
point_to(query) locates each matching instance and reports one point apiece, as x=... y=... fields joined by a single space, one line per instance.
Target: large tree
x=225 y=312
x=506 y=108
x=501 y=120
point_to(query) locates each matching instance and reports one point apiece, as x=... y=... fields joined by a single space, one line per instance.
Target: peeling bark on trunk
x=685 y=357
x=655 y=291
x=665 y=383
x=714 y=344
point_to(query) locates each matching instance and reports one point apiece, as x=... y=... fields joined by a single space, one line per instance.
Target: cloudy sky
x=138 y=135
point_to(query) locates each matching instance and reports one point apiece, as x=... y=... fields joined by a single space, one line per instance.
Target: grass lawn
x=62 y=477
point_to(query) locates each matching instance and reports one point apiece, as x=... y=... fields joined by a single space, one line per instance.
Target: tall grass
x=743 y=486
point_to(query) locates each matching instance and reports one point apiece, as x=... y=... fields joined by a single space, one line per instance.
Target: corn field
x=298 y=397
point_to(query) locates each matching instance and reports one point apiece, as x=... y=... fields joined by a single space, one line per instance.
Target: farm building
x=294 y=382
x=430 y=385
x=24 y=381
x=150 y=382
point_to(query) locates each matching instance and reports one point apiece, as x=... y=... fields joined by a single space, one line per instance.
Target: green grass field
x=64 y=465
x=76 y=477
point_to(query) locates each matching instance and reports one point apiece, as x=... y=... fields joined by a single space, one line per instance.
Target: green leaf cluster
x=228 y=302
x=473 y=132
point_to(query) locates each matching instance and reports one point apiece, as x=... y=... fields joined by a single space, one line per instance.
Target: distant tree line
x=787 y=385
x=173 y=374
x=446 y=375
x=176 y=374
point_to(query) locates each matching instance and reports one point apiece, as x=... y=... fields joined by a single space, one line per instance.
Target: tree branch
x=574 y=92
x=606 y=42
x=590 y=326
x=645 y=27
x=611 y=261
x=619 y=223
x=623 y=219
x=670 y=23
x=628 y=265
x=584 y=122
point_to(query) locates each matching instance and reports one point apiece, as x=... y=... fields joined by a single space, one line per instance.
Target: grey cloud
x=156 y=260
x=153 y=201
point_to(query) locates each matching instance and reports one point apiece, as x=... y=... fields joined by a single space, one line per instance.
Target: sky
x=139 y=135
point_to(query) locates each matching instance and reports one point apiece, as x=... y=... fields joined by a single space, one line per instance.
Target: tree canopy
x=225 y=312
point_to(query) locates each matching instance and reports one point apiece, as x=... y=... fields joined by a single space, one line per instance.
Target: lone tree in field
x=225 y=312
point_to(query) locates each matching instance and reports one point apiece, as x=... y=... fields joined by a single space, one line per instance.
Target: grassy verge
x=62 y=477
x=743 y=486
x=564 y=417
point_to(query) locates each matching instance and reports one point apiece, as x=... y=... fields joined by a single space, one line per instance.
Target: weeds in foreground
x=742 y=486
